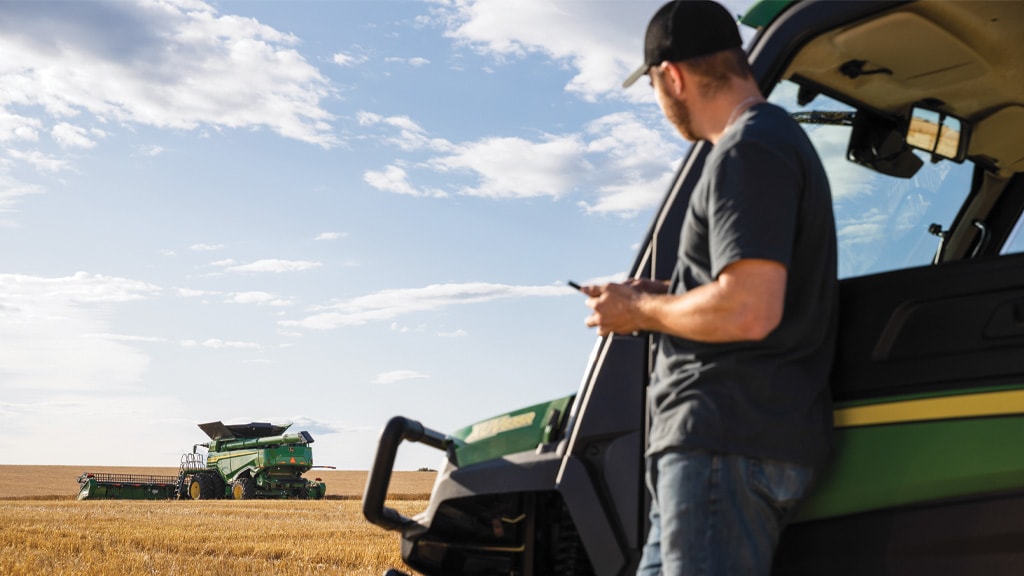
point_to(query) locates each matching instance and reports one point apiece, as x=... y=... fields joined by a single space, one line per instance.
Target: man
x=740 y=406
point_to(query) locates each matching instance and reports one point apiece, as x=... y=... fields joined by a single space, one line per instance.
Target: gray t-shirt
x=763 y=194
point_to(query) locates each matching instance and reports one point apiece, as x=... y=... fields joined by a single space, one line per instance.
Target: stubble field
x=44 y=530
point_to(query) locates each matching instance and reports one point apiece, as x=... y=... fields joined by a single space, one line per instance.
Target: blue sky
x=327 y=213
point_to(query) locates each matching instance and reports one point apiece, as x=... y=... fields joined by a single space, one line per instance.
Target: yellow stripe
x=231 y=455
x=947 y=407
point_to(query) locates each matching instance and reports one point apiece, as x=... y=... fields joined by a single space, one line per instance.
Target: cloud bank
x=390 y=304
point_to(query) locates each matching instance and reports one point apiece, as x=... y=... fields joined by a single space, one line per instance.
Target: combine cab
x=255 y=460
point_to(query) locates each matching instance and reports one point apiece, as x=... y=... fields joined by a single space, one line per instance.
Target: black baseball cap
x=685 y=29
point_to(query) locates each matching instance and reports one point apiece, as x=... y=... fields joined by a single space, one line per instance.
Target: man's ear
x=674 y=78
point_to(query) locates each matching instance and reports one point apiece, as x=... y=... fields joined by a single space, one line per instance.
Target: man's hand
x=745 y=303
x=615 y=308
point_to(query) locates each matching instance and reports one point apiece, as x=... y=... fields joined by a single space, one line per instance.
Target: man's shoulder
x=766 y=131
x=767 y=122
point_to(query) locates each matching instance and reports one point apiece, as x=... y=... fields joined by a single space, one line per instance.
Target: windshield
x=882 y=222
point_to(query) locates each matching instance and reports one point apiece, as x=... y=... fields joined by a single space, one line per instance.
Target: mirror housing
x=878 y=142
x=938 y=133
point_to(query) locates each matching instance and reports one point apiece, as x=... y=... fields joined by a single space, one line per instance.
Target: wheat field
x=44 y=530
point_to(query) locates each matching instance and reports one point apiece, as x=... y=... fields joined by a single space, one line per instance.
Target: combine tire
x=315 y=492
x=219 y=487
x=202 y=487
x=243 y=489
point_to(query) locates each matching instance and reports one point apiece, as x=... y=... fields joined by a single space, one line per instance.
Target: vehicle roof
x=963 y=57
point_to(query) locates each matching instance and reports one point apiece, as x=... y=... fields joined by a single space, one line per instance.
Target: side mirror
x=878 y=143
x=938 y=133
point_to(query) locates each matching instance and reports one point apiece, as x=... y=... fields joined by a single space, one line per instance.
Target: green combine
x=243 y=461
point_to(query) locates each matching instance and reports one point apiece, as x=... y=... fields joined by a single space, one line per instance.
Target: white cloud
x=12 y=190
x=397 y=376
x=15 y=127
x=392 y=179
x=70 y=136
x=453 y=334
x=182 y=66
x=331 y=235
x=273 y=265
x=603 y=42
x=39 y=160
x=411 y=135
x=846 y=179
x=126 y=337
x=151 y=151
x=49 y=328
x=80 y=288
x=518 y=168
x=862 y=229
x=343 y=59
x=636 y=163
x=259 y=298
x=205 y=247
x=391 y=304
x=619 y=162
x=626 y=199
x=218 y=344
x=311 y=425
x=395 y=179
x=415 y=62
x=48 y=419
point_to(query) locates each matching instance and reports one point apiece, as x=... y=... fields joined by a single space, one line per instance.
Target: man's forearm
x=745 y=303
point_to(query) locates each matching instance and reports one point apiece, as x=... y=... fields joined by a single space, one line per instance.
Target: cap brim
x=636 y=75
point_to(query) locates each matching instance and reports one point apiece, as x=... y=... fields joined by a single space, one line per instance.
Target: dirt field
x=45 y=530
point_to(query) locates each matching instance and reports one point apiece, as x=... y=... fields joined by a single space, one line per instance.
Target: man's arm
x=744 y=303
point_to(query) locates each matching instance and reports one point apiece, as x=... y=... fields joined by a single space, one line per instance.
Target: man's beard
x=678 y=113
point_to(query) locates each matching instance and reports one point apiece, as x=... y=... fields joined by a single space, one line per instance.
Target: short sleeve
x=752 y=212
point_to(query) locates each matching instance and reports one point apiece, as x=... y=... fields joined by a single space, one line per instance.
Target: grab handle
x=395 y=432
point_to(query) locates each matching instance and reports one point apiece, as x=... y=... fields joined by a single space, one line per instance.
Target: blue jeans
x=718 y=514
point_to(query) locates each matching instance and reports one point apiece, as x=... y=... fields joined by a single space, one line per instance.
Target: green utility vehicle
x=917 y=110
x=255 y=460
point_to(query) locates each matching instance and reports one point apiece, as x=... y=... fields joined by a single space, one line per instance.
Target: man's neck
x=727 y=109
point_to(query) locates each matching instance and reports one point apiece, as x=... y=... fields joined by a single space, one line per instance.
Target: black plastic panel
x=949 y=326
x=965 y=538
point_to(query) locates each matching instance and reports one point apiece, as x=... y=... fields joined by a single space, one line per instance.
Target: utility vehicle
x=917 y=110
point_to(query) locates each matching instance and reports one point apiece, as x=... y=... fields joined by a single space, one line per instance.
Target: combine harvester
x=243 y=461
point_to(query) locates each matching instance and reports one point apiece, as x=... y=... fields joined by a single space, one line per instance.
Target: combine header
x=97 y=486
x=243 y=461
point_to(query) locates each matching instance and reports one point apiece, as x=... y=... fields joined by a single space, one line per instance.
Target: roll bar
x=397 y=430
